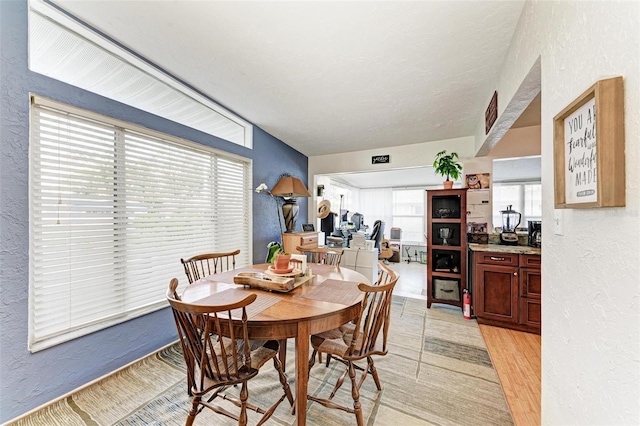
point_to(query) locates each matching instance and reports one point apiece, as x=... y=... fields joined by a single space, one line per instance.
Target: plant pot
x=282 y=261
x=448 y=184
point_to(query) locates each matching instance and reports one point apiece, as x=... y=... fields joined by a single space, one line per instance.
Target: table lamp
x=289 y=188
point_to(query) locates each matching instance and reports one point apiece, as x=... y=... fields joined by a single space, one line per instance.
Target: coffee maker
x=535 y=233
x=510 y=221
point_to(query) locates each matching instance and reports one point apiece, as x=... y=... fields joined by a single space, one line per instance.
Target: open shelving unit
x=446 y=257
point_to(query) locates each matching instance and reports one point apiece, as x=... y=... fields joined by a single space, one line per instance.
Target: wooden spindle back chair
x=385 y=274
x=202 y=265
x=356 y=341
x=218 y=353
x=327 y=256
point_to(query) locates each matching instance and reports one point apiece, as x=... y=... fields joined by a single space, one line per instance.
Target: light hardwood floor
x=516 y=358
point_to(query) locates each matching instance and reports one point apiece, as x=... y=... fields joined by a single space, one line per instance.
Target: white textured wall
x=591 y=275
x=401 y=156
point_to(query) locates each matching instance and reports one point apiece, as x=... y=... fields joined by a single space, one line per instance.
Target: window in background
x=113 y=208
x=525 y=198
x=377 y=204
x=408 y=213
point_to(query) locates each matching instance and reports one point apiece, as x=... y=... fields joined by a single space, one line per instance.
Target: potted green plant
x=274 y=248
x=446 y=165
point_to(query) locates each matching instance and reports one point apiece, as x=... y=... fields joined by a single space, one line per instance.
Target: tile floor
x=413 y=279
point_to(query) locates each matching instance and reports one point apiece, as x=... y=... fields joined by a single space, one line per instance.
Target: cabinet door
x=496 y=293
x=531 y=313
x=530 y=283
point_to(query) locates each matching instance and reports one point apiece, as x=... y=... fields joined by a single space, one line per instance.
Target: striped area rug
x=437 y=372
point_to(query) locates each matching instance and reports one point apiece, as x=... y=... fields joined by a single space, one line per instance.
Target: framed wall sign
x=380 y=159
x=588 y=149
x=491 y=114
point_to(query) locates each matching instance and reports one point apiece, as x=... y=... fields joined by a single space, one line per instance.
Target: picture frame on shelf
x=589 y=161
x=477 y=181
x=476 y=227
x=308 y=227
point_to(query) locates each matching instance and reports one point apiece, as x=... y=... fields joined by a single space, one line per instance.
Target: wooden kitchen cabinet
x=530 y=292
x=507 y=289
x=496 y=292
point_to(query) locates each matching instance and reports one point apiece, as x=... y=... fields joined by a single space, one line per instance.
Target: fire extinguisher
x=466 y=304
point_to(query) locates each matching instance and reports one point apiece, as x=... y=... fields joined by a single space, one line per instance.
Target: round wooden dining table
x=326 y=300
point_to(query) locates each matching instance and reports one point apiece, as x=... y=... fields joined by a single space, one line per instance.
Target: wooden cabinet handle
x=497 y=258
x=515 y=274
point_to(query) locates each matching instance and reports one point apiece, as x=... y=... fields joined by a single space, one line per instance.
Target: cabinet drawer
x=309 y=240
x=530 y=261
x=503 y=259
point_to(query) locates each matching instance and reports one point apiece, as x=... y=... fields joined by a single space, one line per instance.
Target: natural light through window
x=408 y=214
x=113 y=208
x=525 y=198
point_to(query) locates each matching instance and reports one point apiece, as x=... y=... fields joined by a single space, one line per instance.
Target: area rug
x=437 y=372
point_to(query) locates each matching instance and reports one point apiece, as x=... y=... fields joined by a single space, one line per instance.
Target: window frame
x=520 y=207
x=38 y=339
x=404 y=239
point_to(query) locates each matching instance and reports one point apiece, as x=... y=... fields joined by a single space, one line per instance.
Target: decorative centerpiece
x=446 y=165
x=281 y=263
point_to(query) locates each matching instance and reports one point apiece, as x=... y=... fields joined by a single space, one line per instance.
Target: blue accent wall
x=30 y=380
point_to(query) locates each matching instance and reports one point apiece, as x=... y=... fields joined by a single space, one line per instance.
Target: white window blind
x=113 y=208
x=408 y=213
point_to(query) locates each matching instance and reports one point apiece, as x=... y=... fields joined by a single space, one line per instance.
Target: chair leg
x=355 y=394
x=283 y=379
x=194 y=411
x=328 y=360
x=374 y=373
x=340 y=381
x=312 y=359
x=244 y=395
x=283 y=353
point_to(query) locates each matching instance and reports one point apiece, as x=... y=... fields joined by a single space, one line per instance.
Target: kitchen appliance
x=444 y=234
x=535 y=233
x=510 y=221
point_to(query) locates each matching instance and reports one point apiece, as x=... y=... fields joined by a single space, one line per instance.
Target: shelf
x=448 y=220
x=446 y=274
x=445 y=248
x=446 y=286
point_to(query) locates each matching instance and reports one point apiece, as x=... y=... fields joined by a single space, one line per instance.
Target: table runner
x=335 y=291
x=231 y=295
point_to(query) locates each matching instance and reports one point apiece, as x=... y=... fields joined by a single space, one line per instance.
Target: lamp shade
x=290 y=186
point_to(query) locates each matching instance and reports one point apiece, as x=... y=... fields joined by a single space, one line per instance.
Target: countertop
x=499 y=248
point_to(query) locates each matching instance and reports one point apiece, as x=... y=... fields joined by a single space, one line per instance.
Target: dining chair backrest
x=373 y=321
x=210 y=358
x=385 y=274
x=202 y=265
x=327 y=256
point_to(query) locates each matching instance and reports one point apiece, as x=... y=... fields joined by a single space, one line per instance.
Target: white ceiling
x=326 y=77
